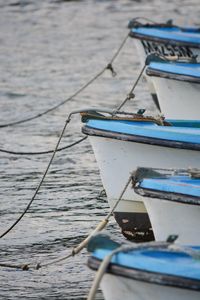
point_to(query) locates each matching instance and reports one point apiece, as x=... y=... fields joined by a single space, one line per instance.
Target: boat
x=146 y=271
x=177 y=85
x=172 y=200
x=125 y=141
x=167 y=39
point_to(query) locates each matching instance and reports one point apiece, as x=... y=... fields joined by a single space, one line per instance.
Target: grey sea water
x=48 y=50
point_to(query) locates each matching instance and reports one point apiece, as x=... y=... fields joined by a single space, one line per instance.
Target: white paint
x=117 y=159
x=178 y=99
x=168 y=217
x=118 y=288
x=142 y=57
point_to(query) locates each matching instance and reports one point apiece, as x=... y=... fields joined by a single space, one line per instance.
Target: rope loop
x=110 y=67
x=25 y=267
x=130 y=96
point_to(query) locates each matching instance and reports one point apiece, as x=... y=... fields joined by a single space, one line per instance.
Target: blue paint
x=162 y=261
x=188 y=35
x=186 y=69
x=173 y=184
x=181 y=131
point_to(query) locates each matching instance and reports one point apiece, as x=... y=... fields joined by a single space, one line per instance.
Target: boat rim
x=88 y=130
x=170 y=75
x=147 y=276
x=162 y=40
x=167 y=196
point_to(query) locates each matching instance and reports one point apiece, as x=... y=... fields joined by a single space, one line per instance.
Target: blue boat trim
x=147 y=133
x=182 y=187
x=171 y=35
x=176 y=184
x=174 y=70
x=169 y=196
x=146 y=276
x=153 y=262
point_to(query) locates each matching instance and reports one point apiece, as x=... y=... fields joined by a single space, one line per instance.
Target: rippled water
x=49 y=49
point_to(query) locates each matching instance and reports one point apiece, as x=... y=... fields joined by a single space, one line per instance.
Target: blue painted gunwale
x=160 y=261
x=183 y=69
x=181 y=131
x=190 y=36
x=184 y=185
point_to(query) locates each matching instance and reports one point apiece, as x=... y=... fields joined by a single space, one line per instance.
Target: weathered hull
x=118 y=288
x=144 y=48
x=178 y=99
x=170 y=217
x=117 y=159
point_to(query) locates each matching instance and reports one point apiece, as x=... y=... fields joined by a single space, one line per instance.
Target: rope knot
x=68 y=120
x=25 y=267
x=110 y=67
x=130 y=96
x=73 y=252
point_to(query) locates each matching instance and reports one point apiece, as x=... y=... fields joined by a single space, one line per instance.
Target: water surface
x=49 y=49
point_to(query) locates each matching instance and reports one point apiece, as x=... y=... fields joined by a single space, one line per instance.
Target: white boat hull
x=118 y=288
x=178 y=99
x=168 y=217
x=171 y=102
x=142 y=57
x=145 y=48
x=117 y=159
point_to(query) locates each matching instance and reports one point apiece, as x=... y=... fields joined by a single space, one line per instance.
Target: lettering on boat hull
x=167 y=49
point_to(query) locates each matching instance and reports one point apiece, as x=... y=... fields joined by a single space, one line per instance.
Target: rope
x=80 y=246
x=144 y=18
x=158 y=57
x=108 y=67
x=21 y=267
x=135 y=23
x=98 y=228
x=51 y=160
x=107 y=259
x=144 y=172
x=101 y=271
x=131 y=94
x=44 y=174
x=40 y=183
x=43 y=152
x=194 y=253
x=147 y=61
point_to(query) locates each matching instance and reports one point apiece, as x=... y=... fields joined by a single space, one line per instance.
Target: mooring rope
x=43 y=152
x=101 y=271
x=107 y=259
x=41 y=181
x=144 y=18
x=107 y=67
x=135 y=23
x=130 y=94
x=98 y=228
x=77 y=248
x=45 y=172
